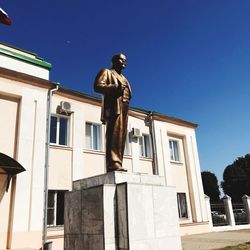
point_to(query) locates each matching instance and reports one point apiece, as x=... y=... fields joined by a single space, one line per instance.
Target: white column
x=246 y=202
x=208 y=208
x=229 y=210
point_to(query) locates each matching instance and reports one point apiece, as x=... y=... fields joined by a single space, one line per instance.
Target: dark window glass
x=95 y=137
x=60 y=208
x=147 y=146
x=182 y=205
x=50 y=217
x=63 y=131
x=55 y=212
x=141 y=146
x=51 y=208
x=53 y=126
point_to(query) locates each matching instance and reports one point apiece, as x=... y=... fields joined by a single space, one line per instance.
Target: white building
x=156 y=144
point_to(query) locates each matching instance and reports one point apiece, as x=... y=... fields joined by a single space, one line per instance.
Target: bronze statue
x=116 y=92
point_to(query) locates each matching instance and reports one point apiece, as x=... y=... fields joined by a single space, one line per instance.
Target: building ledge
x=194 y=224
x=26 y=57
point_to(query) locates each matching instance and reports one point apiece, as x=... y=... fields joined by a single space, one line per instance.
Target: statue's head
x=119 y=61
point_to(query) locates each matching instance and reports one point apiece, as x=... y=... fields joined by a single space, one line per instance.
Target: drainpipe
x=46 y=168
x=153 y=140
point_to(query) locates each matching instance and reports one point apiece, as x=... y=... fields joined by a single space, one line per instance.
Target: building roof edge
x=29 y=79
x=155 y=115
x=36 y=61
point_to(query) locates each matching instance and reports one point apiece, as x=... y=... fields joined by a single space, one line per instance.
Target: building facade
x=156 y=144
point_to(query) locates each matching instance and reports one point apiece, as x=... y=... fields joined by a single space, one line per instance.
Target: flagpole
x=4 y=18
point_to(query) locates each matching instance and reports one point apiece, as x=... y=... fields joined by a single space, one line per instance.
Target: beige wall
x=60 y=168
x=89 y=162
x=4 y=211
x=8 y=134
x=9 y=111
x=185 y=176
x=24 y=130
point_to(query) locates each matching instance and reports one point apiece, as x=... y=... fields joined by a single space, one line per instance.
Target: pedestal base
x=121 y=211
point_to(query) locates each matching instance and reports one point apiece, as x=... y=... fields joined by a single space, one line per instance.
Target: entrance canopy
x=9 y=165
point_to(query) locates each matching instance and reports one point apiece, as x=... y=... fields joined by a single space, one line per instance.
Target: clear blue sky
x=186 y=58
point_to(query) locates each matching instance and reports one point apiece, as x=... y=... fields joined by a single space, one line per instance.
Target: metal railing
x=218 y=214
x=240 y=215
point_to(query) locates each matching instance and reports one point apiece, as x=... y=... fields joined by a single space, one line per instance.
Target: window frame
x=180 y=196
x=127 y=148
x=100 y=146
x=146 y=150
x=174 y=151
x=55 y=208
x=57 y=143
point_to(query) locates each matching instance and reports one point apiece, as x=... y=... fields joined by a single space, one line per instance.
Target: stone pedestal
x=121 y=211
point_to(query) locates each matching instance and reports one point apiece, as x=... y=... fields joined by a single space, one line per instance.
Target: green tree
x=236 y=178
x=210 y=185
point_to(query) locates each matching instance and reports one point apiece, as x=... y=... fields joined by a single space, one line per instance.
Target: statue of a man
x=116 y=92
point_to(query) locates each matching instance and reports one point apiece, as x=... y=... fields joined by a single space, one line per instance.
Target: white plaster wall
x=161 y=146
x=4 y=210
x=8 y=111
x=60 y=169
x=127 y=163
x=146 y=166
x=185 y=176
x=28 y=212
x=23 y=67
x=196 y=181
x=94 y=164
x=87 y=162
x=139 y=164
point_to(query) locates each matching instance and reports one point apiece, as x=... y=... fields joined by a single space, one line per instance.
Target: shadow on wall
x=3 y=185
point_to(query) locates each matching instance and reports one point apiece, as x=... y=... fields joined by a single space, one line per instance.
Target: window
x=59 y=130
x=55 y=211
x=182 y=205
x=93 y=134
x=127 y=150
x=174 y=150
x=145 y=146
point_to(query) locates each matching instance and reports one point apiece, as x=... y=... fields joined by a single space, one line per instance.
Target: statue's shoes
x=117 y=167
x=122 y=170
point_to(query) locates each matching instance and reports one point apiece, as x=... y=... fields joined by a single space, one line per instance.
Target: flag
x=4 y=18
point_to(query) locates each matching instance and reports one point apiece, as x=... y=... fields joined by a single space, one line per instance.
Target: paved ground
x=215 y=240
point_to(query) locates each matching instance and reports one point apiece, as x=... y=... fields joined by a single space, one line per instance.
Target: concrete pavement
x=215 y=240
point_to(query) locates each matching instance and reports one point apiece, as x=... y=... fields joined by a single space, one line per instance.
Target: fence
x=218 y=214
x=227 y=215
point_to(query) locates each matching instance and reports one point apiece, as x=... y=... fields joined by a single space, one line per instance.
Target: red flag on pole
x=4 y=18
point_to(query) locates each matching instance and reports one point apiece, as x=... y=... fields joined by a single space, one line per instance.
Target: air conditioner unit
x=65 y=106
x=136 y=132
